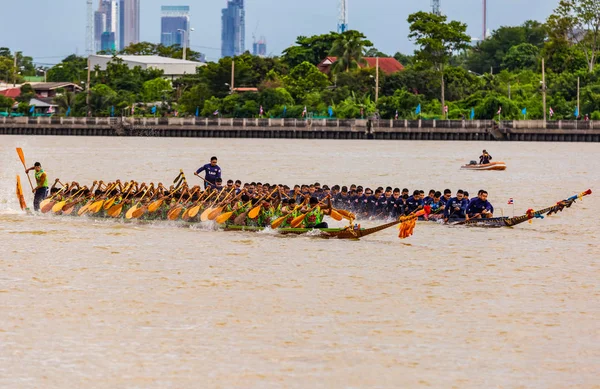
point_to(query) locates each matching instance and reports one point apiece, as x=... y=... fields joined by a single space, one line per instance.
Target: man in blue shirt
x=479 y=207
x=213 y=171
x=413 y=203
x=456 y=207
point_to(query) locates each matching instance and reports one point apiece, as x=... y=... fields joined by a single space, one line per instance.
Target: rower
x=484 y=158
x=213 y=171
x=456 y=207
x=314 y=218
x=41 y=189
x=479 y=207
x=429 y=199
x=413 y=203
x=437 y=205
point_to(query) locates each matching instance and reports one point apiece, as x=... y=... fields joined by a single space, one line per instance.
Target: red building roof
x=13 y=93
x=387 y=65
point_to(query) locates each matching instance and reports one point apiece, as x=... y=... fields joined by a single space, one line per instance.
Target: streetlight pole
x=185 y=35
x=544 y=89
x=377 y=79
x=89 y=91
x=232 y=75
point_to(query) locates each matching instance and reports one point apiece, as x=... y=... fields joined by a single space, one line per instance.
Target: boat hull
x=487 y=166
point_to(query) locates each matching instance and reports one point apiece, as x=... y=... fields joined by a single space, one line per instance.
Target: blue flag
x=68 y=111
x=153 y=110
x=330 y=111
x=32 y=109
x=576 y=112
x=197 y=111
x=284 y=110
x=112 y=111
x=418 y=110
x=472 y=113
x=524 y=111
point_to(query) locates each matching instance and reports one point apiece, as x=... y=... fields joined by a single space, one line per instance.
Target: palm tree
x=349 y=50
x=64 y=101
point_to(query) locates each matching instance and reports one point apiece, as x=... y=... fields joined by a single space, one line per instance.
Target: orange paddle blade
x=213 y=215
x=222 y=218
x=48 y=207
x=336 y=215
x=139 y=212
x=204 y=216
x=174 y=213
x=193 y=211
x=21 y=155
x=297 y=221
x=279 y=221
x=253 y=214
x=20 y=196
x=155 y=205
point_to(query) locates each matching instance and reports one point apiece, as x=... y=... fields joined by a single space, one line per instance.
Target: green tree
x=65 y=100
x=155 y=90
x=6 y=102
x=303 y=79
x=71 y=69
x=523 y=56
x=312 y=49
x=101 y=98
x=349 y=49
x=437 y=40
x=578 y=21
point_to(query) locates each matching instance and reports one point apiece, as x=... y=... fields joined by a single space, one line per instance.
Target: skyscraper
x=260 y=48
x=129 y=23
x=233 y=32
x=175 y=18
x=107 y=41
x=106 y=19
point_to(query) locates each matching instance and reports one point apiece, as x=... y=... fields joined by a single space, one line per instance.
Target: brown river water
x=88 y=303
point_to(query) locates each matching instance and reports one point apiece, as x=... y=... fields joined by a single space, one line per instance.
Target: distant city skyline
x=280 y=22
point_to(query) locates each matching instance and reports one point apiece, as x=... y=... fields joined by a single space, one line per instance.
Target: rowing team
x=226 y=205
x=382 y=203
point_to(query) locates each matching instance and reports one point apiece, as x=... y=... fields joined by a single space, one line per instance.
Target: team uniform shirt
x=412 y=205
x=399 y=207
x=478 y=206
x=456 y=208
x=436 y=206
x=212 y=172
x=370 y=204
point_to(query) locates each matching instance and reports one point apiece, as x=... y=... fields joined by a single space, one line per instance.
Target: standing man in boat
x=41 y=189
x=213 y=171
x=484 y=158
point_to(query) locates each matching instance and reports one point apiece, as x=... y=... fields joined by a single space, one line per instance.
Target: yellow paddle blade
x=155 y=205
x=58 y=206
x=96 y=207
x=336 y=215
x=297 y=221
x=192 y=212
x=139 y=212
x=174 y=213
x=130 y=212
x=213 y=215
x=204 y=216
x=253 y=214
x=222 y=218
x=109 y=203
x=21 y=155
x=278 y=222
x=48 y=207
x=186 y=215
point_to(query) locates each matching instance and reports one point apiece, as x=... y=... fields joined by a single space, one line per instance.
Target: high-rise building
x=233 y=32
x=107 y=42
x=106 y=19
x=129 y=22
x=174 y=19
x=260 y=47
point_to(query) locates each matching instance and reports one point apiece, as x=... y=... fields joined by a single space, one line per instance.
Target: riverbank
x=470 y=130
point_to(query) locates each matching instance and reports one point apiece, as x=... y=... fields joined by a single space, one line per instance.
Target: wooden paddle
x=217 y=211
x=298 y=220
x=279 y=221
x=133 y=209
x=48 y=206
x=22 y=158
x=207 y=211
x=98 y=205
x=115 y=210
x=158 y=203
x=254 y=212
x=22 y=203
x=192 y=211
x=176 y=210
x=140 y=211
x=56 y=208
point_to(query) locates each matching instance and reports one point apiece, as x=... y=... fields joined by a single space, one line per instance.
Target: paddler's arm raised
x=327 y=209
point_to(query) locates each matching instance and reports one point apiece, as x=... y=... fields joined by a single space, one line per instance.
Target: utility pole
x=509 y=90
x=89 y=91
x=544 y=90
x=377 y=79
x=484 y=19
x=578 y=111
x=15 y=69
x=232 y=75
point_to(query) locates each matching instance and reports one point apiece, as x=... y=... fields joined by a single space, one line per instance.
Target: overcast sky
x=49 y=30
